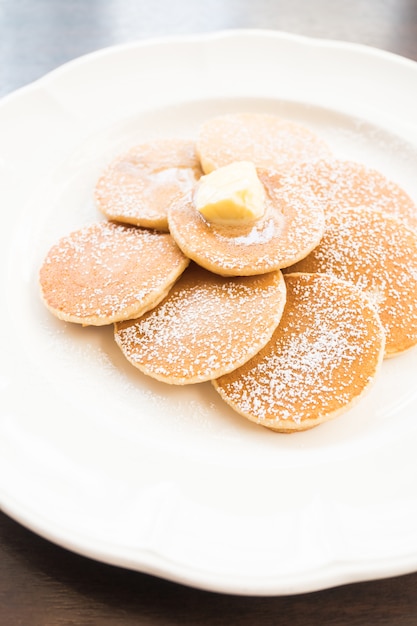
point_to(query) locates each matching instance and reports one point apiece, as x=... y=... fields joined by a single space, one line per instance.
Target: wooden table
x=42 y=584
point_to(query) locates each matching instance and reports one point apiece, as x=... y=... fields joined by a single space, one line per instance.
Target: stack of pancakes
x=289 y=317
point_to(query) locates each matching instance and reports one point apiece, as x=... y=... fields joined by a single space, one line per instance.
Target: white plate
x=167 y=480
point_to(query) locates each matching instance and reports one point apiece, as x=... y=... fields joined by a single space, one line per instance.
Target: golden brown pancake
x=347 y=183
x=320 y=360
x=207 y=325
x=292 y=226
x=108 y=272
x=267 y=140
x=139 y=186
x=378 y=254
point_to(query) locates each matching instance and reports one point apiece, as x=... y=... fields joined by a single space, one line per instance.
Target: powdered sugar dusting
x=206 y=326
x=107 y=272
x=378 y=254
x=329 y=354
x=341 y=184
x=324 y=353
x=137 y=187
x=292 y=226
x=266 y=140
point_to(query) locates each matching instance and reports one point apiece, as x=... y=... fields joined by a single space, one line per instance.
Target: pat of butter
x=232 y=194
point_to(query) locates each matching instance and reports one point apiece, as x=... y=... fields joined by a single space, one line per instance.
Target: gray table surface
x=39 y=35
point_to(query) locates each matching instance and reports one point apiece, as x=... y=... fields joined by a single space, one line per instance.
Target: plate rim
x=228 y=33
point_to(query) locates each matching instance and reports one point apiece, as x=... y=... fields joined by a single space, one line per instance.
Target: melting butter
x=232 y=194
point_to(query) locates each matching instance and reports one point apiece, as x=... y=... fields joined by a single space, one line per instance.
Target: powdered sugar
x=378 y=254
x=340 y=184
x=193 y=335
x=292 y=226
x=206 y=326
x=266 y=140
x=105 y=272
x=137 y=187
x=323 y=355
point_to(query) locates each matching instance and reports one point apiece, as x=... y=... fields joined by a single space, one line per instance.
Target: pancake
x=206 y=326
x=291 y=227
x=108 y=272
x=267 y=140
x=378 y=254
x=138 y=187
x=320 y=360
x=347 y=183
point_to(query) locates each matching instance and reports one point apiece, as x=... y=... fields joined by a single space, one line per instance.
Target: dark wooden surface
x=42 y=584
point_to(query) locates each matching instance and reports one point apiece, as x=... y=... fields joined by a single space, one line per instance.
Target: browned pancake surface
x=291 y=227
x=341 y=184
x=139 y=186
x=377 y=253
x=267 y=140
x=321 y=358
x=206 y=326
x=108 y=272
